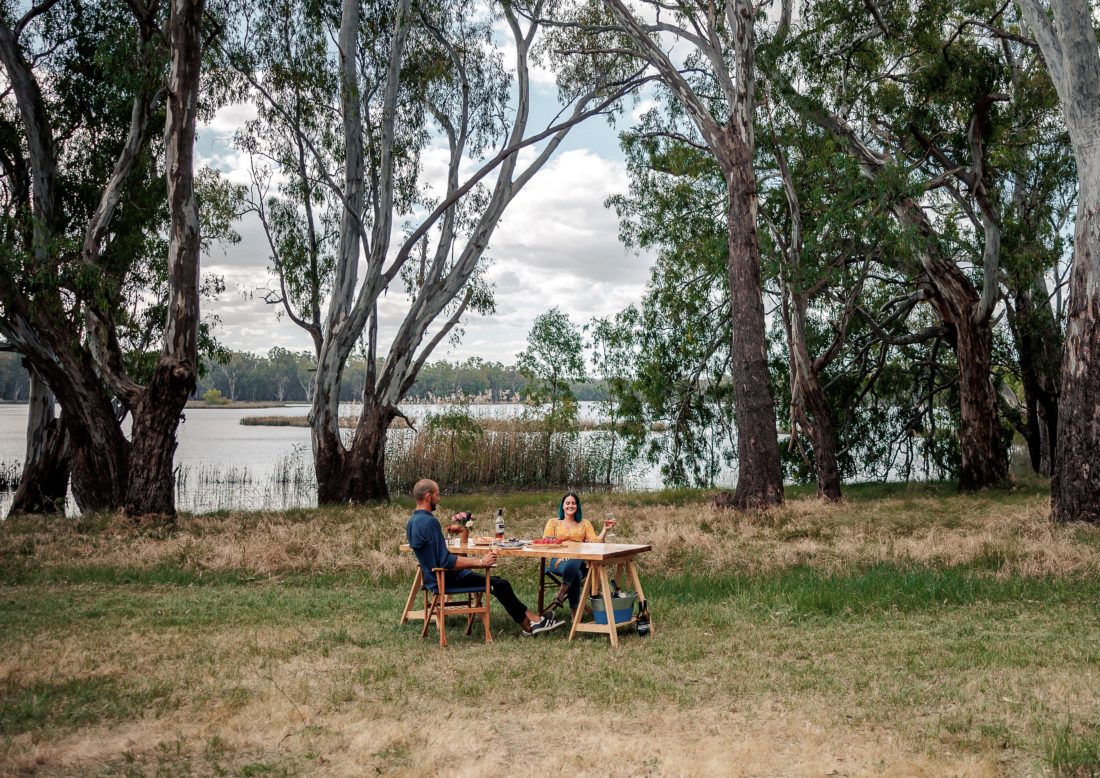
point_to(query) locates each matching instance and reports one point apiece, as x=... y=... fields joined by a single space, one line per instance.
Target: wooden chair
x=554 y=584
x=468 y=601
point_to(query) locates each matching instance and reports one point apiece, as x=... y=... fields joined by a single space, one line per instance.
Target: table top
x=588 y=552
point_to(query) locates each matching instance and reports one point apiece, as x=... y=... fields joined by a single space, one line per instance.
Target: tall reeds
x=503 y=456
x=9 y=474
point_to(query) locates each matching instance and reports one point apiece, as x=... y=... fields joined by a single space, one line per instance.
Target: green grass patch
x=1073 y=750
x=806 y=592
x=73 y=702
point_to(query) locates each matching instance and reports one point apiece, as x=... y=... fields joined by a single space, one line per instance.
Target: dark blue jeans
x=572 y=572
x=500 y=587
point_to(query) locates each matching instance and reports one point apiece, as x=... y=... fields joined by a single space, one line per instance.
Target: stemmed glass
x=611 y=531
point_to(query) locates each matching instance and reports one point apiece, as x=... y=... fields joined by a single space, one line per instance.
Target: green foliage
x=214 y=397
x=551 y=363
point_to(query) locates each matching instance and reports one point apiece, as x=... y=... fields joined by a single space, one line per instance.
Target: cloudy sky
x=557 y=245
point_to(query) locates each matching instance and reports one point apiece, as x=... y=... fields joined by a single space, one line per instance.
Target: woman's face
x=569 y=507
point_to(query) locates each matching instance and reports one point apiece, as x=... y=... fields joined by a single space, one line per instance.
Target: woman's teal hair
x=561 y=506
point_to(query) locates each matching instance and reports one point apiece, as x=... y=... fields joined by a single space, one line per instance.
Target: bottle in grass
x=641 y=624
x=500 y=524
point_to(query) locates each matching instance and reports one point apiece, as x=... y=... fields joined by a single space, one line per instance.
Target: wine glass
x=610 y=532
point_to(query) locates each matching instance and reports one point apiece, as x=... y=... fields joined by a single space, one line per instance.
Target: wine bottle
x=641 y=624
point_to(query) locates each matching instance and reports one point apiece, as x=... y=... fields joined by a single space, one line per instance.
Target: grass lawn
x=907 y=631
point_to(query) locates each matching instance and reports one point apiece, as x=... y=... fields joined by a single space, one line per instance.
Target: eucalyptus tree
x=677 y=340
x=405 y=79
x=971 y=112
x=916 y=101
x=551 y=363
x=79 y=162
x=1068 y=45
x=821 y=231
x=704 y=54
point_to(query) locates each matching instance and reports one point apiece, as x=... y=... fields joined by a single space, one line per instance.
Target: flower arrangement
x=461 y=524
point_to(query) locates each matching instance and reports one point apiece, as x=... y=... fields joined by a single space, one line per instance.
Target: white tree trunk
x=1069 y=48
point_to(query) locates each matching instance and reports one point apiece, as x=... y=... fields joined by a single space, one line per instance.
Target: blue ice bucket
x=623 y=608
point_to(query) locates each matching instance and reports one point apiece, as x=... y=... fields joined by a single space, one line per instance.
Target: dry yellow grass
x=694 y=538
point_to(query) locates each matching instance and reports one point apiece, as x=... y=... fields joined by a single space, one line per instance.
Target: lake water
x=224 y=464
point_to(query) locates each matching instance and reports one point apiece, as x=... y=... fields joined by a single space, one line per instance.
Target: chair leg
x=429 y=612
x=442 y=617
x=418 y=581
x=475 y=601
x=542 y=583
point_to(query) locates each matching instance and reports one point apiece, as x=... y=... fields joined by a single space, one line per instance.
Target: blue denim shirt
x=426 y=540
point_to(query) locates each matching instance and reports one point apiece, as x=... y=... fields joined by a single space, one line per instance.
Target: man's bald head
x=423 y=490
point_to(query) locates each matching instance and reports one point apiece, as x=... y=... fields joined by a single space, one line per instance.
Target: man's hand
x=489 y=560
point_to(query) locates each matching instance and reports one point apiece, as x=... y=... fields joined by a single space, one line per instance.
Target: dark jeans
x=500 y=588
x=572 y=572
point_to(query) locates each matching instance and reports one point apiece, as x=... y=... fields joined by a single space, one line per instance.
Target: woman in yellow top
x=571 y=525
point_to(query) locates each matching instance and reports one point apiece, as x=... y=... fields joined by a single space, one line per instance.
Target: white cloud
x=229 y=119
x=556 y=245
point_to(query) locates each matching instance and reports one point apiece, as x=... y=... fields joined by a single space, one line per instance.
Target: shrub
x=214 y=397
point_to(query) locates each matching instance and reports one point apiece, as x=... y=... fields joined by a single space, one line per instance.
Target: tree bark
x=1068 y=44
x=982 y=445
x=99 y=449
x=759 y=473
x=45 y=478
x=1039 y=345
x=809 y=406
x=356 y=474
x=1075 y=487
x=160 y=408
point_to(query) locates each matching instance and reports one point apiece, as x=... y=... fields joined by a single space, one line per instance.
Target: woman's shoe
x=555 y=604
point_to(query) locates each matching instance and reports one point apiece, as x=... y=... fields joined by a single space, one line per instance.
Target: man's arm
x=464 y=562
x=430 y=542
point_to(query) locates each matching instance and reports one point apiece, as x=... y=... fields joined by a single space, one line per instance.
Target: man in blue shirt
x=426 y=540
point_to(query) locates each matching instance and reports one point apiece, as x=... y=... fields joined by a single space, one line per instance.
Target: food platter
x=541 y=543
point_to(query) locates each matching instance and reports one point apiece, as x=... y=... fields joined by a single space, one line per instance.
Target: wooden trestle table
x=598 y=556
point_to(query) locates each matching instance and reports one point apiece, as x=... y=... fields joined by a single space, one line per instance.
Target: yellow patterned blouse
x=583 y=533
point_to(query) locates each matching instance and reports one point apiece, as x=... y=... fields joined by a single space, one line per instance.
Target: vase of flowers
x=461 y=524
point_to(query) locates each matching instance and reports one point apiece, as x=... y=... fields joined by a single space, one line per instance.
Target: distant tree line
x=287 y=376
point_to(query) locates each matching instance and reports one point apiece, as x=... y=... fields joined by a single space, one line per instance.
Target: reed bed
x=346 y=422
x=509 y=457
x=486 y=424
x=9 y=474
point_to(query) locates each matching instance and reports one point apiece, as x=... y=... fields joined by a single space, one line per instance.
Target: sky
x=557 y=245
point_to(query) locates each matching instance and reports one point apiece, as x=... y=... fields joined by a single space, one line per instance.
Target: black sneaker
x=545 y=624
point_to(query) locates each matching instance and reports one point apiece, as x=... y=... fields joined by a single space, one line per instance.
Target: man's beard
x=433 y=504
